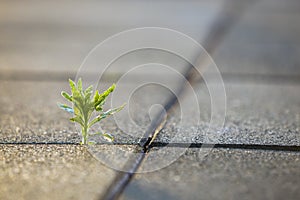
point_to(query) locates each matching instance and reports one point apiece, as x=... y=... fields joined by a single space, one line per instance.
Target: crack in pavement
x=267 y=147
x=229 y=15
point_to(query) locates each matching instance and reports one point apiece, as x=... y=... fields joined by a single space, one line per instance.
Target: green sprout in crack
x=84 y=105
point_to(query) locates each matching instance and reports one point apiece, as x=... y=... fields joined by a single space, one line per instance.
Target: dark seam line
x=39 y=143
x=46 y=76
x=123 y=178
x=268 y=147
x=227 y=76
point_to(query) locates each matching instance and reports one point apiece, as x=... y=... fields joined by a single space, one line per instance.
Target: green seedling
x=84 y=105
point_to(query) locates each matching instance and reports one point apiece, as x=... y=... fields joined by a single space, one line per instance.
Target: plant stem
x=85 y=129
x=85 y=135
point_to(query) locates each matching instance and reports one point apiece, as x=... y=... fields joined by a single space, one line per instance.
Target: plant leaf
x=72 y=86
x=108 y=137
x=88 y=90
x=75 y=90
x=113 y=111
x=101 y=98
x=106 y=114
x=95 y=120
x=66 y=108
x=66 y=96
x=79 y=85
x=91 y=143
x=96 y=97
x=77 y=119
x=99 y=107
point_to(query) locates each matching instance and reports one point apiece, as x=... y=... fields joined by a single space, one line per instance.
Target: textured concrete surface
x=223 y=174
x=51 y=172
x=255 y=114
x=29 y=112
x=44 y=43
x=248 y=119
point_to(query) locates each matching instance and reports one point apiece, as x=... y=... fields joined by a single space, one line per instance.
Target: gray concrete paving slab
x=31 y=114
x=255 y=114
x=222 y=174
x=263 y=42
x=51 y=172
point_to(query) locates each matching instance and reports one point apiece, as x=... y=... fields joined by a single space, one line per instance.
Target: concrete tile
x=29 y=112
x=255 y=114
x=51 y=172
x=222 y=174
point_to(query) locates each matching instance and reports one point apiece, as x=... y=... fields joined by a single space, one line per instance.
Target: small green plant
x=84 y=105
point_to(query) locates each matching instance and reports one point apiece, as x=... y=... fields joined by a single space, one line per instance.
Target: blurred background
x=43 y=38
